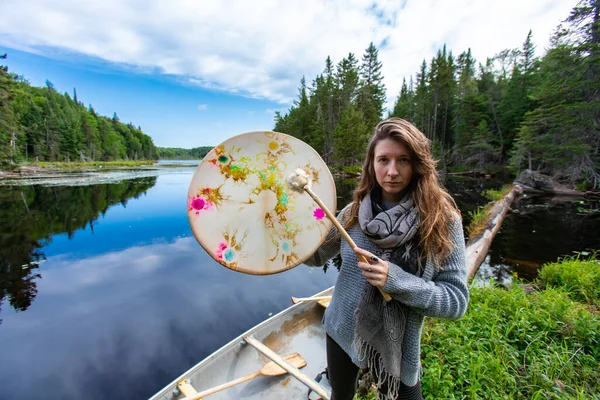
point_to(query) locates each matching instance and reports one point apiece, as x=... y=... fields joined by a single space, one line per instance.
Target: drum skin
x=242 y=212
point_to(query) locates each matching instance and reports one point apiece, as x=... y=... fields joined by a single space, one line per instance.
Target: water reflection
x=544 y=229
x=30 y=215
x=126 y=323
x=128 y=300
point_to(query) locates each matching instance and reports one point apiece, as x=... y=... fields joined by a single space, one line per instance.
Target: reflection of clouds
x=125 y=323
x=68 y=275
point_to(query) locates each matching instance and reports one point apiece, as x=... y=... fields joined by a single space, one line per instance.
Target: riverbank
x=543 y=342
x=45 y=168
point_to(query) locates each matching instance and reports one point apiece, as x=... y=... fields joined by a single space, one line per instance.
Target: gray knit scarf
x=379 y=324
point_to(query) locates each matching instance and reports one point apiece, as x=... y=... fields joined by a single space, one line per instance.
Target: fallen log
x=478 y=247
x=537 y=183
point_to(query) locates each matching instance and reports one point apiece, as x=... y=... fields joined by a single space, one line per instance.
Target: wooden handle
x=342 y=231
x=224 y=386
x=289 y=368
x=299 y=299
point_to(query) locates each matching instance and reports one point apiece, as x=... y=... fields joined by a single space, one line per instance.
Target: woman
x=410 y=231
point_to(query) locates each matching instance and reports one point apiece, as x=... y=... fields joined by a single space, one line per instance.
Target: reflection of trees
x=543 y=231
x=30 y=215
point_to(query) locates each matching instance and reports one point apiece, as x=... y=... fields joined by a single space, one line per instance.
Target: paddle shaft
x=318 y=298
x=223 y=386
x=342 y=231
x=287 y=366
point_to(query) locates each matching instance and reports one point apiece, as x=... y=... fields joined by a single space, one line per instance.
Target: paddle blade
x=272 y=369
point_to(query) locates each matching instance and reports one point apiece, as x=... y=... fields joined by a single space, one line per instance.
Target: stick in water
x=298 y=182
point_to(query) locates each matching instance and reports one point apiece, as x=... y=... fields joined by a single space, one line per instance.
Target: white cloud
x=203 y=107
x=263 y=50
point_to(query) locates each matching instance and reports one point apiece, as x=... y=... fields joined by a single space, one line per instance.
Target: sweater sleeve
x=447 y=296
x=330 y=247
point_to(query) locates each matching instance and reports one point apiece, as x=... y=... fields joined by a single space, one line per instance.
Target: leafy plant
x=495 y=195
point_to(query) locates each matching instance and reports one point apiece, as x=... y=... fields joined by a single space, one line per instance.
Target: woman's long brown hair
x=434 y=204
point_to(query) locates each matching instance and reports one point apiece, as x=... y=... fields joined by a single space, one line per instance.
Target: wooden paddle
x=317 y=298
x=269 y=369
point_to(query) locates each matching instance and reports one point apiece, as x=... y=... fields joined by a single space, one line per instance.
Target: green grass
x=480 y=216
x=495 y=195
x=580 y=278
x=513 y=345
x=479 y=220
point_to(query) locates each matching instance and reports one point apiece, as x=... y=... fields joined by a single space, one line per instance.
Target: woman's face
x=393 y=168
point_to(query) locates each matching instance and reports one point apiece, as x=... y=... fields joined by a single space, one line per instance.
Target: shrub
x=580 y=278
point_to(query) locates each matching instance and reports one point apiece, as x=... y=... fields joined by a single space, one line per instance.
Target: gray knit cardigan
x=437 y=292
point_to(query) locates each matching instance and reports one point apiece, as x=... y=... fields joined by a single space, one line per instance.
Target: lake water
x=105 y=293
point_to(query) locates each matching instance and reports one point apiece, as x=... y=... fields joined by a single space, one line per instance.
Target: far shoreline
x=57 y=169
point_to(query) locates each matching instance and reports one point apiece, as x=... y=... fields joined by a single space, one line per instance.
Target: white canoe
x=295 y=329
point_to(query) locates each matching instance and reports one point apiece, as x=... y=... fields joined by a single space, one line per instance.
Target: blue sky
x=174 y=113
x=193 y=74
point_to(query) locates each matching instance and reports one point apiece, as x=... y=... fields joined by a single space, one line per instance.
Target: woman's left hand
x=375 y=270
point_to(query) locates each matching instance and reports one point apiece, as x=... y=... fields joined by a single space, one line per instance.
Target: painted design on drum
x=270 y=179
x=229 y=250
x=284 y=241
x=206 y=198
x=319 y=214
x=238 y=170
x=277 y=146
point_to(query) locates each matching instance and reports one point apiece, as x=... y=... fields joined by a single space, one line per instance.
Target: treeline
x=40 y=124
x=515 y=110
x=175 y=153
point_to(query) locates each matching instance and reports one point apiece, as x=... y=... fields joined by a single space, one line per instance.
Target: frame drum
x=244 y=215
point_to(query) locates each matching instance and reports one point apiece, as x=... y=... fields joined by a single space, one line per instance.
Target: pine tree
x=422 y=100
x=470 y=109
x=442 y=86
x=347 y=80
x=372 y=93
x=350 y=137
x=404 y=107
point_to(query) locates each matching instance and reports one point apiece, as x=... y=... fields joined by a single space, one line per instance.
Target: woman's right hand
x=375 y=270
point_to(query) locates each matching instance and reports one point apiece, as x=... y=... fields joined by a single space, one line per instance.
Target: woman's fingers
x=375 y=270
x=368 y=267
x=373 y=273
x=364 y=253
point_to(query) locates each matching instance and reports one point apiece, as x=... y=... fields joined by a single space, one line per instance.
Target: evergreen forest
x=514 y=111
x=40 y=124
x=176 y=153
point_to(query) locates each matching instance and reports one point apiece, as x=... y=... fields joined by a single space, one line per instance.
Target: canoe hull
x=295 y=329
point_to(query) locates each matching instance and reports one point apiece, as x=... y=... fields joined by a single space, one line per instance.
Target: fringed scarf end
x=366 y=354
